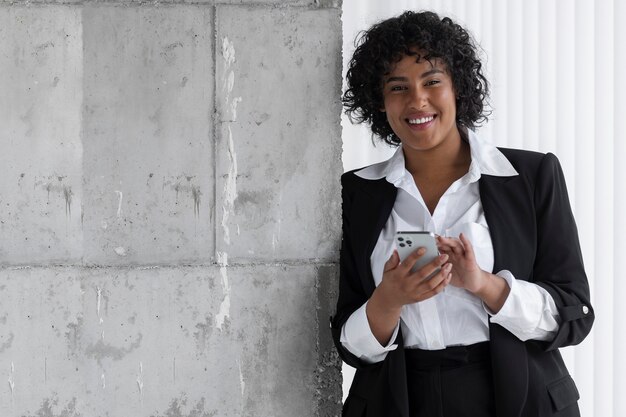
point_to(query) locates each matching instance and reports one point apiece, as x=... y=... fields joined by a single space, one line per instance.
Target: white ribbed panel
x=531 y=73
x=499 y=77
x=619 y=191
x=556 y=72
x=583 y=185
x=547 y=80
x=605 y=235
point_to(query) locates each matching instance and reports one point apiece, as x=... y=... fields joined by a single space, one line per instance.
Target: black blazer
x=534 y=236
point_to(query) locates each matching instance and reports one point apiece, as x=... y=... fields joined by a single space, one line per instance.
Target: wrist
x=383 y=302
x=493 y=292
x=486 y=282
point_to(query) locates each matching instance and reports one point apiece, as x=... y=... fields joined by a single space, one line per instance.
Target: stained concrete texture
x=147 y=117
x=144 y=341
x=41 y=157
x=273 y=90
x=169 y=209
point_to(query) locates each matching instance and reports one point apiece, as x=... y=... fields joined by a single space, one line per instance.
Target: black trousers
x=453 y=382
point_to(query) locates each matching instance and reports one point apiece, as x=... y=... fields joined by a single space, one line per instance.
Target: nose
x=418 y=97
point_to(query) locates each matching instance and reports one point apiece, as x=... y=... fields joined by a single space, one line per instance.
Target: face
x=420 y=103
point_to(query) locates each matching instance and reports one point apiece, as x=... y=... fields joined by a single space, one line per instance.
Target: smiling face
x=420 y=103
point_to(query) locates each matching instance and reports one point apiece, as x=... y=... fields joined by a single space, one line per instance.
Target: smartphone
x=409 y=242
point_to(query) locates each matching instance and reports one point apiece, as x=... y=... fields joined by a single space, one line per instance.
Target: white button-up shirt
x=454 y=316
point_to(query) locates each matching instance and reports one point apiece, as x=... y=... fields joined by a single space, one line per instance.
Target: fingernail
x=448 y=267
x=421 y=251
x=443 y=257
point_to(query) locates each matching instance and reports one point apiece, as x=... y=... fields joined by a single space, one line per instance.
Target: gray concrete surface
x=169 y=208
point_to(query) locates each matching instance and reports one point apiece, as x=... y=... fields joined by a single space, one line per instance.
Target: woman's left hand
x=466 y=273
x=465 y=270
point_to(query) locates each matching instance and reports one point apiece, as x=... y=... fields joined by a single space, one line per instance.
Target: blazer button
x=585 y=310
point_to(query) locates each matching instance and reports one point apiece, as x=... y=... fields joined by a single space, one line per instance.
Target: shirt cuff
x=357 y=337
x=529 y=311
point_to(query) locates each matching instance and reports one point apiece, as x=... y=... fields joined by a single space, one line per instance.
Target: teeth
x=422 y=120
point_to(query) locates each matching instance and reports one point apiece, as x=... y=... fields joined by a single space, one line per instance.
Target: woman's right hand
x=400 y=286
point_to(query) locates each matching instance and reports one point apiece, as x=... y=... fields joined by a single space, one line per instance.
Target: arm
x=523 y=308
x=558 y=265
x=557 y=285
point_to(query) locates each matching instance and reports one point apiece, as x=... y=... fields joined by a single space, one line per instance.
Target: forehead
x=416 y=62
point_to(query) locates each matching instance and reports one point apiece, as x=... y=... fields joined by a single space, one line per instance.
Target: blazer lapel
x=507 y=207
x=371 y=208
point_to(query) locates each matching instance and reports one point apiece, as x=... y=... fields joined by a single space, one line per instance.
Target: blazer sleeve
x=351 y=292
x=558 y=264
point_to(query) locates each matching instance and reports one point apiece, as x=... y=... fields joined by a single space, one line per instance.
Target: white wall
x=553 y=67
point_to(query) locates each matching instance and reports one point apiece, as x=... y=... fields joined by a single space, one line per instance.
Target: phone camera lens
x=402 y=245
x=400 y=239
x=409 y=242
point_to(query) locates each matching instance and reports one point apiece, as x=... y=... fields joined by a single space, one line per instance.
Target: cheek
x=391 y=106
x=447 y=99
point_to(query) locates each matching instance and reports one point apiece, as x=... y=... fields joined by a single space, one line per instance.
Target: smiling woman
x=445 y=46
x=476 y=331
x=419 y=101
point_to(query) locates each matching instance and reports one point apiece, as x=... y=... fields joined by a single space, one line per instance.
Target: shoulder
x=354 y=186
x=531 y=163
x=364 y=176
x=522 y=159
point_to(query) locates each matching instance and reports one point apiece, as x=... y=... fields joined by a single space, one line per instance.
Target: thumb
x=392 y=262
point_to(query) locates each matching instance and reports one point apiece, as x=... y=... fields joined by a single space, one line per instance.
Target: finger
x=444 y=248
x=469 y=249
x=392 y=262
x=447 y=251
x=410 y=260
x=431 y=267
x=455 y=245
x=436 y=284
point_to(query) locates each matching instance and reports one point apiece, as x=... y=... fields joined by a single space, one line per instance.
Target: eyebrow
x=424 y=75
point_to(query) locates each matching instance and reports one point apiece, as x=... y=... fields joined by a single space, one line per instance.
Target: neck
x=451 y=154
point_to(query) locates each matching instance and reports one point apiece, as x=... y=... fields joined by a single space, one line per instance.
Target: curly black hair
x=385 y=43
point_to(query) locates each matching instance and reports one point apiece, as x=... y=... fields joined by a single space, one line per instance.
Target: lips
x=420 y=122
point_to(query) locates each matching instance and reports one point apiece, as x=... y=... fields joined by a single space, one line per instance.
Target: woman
x=480 y=337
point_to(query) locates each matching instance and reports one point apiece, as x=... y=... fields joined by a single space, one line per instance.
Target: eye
x=397 y=88
x=432 y=82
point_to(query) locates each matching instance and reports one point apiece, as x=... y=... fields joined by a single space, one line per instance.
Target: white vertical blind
x=555 y=68
x=584 y=184
x=619 y=192
x=604 y=238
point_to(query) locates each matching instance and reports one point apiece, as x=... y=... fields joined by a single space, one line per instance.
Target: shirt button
x=585 y=310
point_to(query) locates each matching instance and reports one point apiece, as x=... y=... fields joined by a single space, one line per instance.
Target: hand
x=400 y=286
x=465 y=270
x=491 y=289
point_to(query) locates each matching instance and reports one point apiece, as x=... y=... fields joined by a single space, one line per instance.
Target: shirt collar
x=486 y=160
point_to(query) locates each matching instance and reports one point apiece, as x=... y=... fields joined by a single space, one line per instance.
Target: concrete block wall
x=169 y=208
